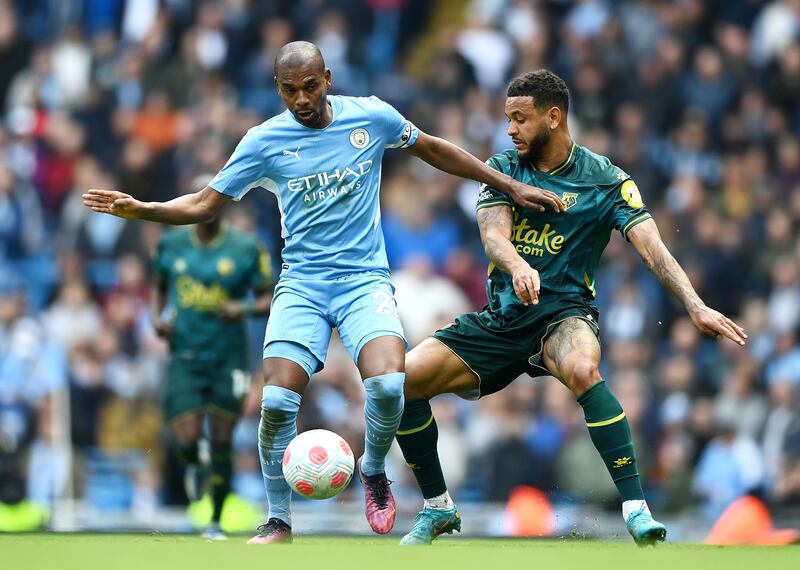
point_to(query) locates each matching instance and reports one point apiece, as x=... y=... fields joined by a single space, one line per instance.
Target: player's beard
x=317 y=116
x=536 y=147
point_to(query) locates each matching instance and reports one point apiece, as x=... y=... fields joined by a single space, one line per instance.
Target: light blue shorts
x=361 y=306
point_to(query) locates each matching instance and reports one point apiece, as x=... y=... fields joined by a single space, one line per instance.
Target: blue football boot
x=645 y=530
x=430 y=523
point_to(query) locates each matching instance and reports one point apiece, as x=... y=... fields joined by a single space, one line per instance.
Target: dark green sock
x=221 y=472
x=611 y=435
x=417 y=437
x=187 y=454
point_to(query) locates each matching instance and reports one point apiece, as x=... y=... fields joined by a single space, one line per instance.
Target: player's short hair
x=298 y=54
x=546 y=88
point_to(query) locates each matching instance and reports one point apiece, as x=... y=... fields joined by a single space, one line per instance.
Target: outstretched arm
x=453 y=159
x=647 y=241
x=234 y=310
x=187 y=209
x=496 y=224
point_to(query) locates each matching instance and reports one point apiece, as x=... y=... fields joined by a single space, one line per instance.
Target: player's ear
x=327 y=79
x=554 y=117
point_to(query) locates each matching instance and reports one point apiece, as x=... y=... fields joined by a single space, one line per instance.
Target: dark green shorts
x=499 y=348
x=208 y=386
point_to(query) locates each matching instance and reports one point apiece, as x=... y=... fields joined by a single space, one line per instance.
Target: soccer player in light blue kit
x=322 y=160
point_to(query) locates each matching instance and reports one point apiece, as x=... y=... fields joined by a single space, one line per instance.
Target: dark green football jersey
x=200 y=278
x=564 y=248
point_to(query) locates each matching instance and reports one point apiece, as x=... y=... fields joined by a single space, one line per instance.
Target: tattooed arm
x=647 y=241
x=496 y=224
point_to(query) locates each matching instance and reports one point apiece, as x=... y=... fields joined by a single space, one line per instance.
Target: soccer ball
x=318 y=464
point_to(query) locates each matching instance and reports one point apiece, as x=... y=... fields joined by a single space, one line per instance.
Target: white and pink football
x=318 y=464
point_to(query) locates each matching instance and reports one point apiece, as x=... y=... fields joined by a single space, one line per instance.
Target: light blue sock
x=382 y=411
x=277 y=428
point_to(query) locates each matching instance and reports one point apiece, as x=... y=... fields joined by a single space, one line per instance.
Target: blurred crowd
x=699 y=101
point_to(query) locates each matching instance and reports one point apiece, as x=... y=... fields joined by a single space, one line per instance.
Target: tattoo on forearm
x=663 y=265
x=495 y=225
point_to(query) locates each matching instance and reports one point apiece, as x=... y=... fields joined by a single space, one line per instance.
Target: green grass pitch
x=156 y=551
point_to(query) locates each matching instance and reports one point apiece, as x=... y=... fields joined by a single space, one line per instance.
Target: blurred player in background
x=541 y=318
x=322 y=160
x=204 y=275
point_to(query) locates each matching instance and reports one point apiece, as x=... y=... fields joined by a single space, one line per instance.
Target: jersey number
x=241 y=383
x=386 y=304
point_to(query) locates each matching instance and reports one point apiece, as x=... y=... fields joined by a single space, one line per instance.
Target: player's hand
x=231 y=311
x=716 y=324
x=536 y=198
x=114 y=203
x=526 y=284
x=163 y=328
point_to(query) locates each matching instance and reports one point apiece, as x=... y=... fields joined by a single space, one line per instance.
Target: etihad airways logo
x=321 y=185
x=535 y=242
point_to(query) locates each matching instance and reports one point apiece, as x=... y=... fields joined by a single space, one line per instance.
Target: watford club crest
x=569 y=199
x=224 y=266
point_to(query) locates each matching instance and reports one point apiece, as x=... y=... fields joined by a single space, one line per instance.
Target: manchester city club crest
x=359 y=138
x=569 y=199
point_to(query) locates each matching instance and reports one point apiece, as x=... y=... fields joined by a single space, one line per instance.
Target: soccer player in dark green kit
x=204 y=274
x=541 y=317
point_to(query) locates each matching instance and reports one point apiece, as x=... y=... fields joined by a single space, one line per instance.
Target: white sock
x=442 y=502
x=630 y=507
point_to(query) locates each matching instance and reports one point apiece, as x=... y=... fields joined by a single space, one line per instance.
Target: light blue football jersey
x=326 y=182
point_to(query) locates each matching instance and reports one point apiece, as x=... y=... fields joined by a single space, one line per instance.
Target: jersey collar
x=561 y=167
x=223 y=229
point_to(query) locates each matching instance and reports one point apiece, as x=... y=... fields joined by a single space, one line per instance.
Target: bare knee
x=388 y=364
x=185 y=440
x=285 y=373
x=382 y=355
x=221 y=431
x=572 y=354
x=186 y=431
x=580 y=373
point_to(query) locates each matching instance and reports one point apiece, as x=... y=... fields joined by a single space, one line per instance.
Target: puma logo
x=294 y=153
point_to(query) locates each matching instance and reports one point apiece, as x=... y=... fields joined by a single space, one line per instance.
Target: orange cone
x=747 y=521
x=530 y=513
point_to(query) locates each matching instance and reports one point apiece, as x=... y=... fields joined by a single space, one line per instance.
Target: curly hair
x=546 y=88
